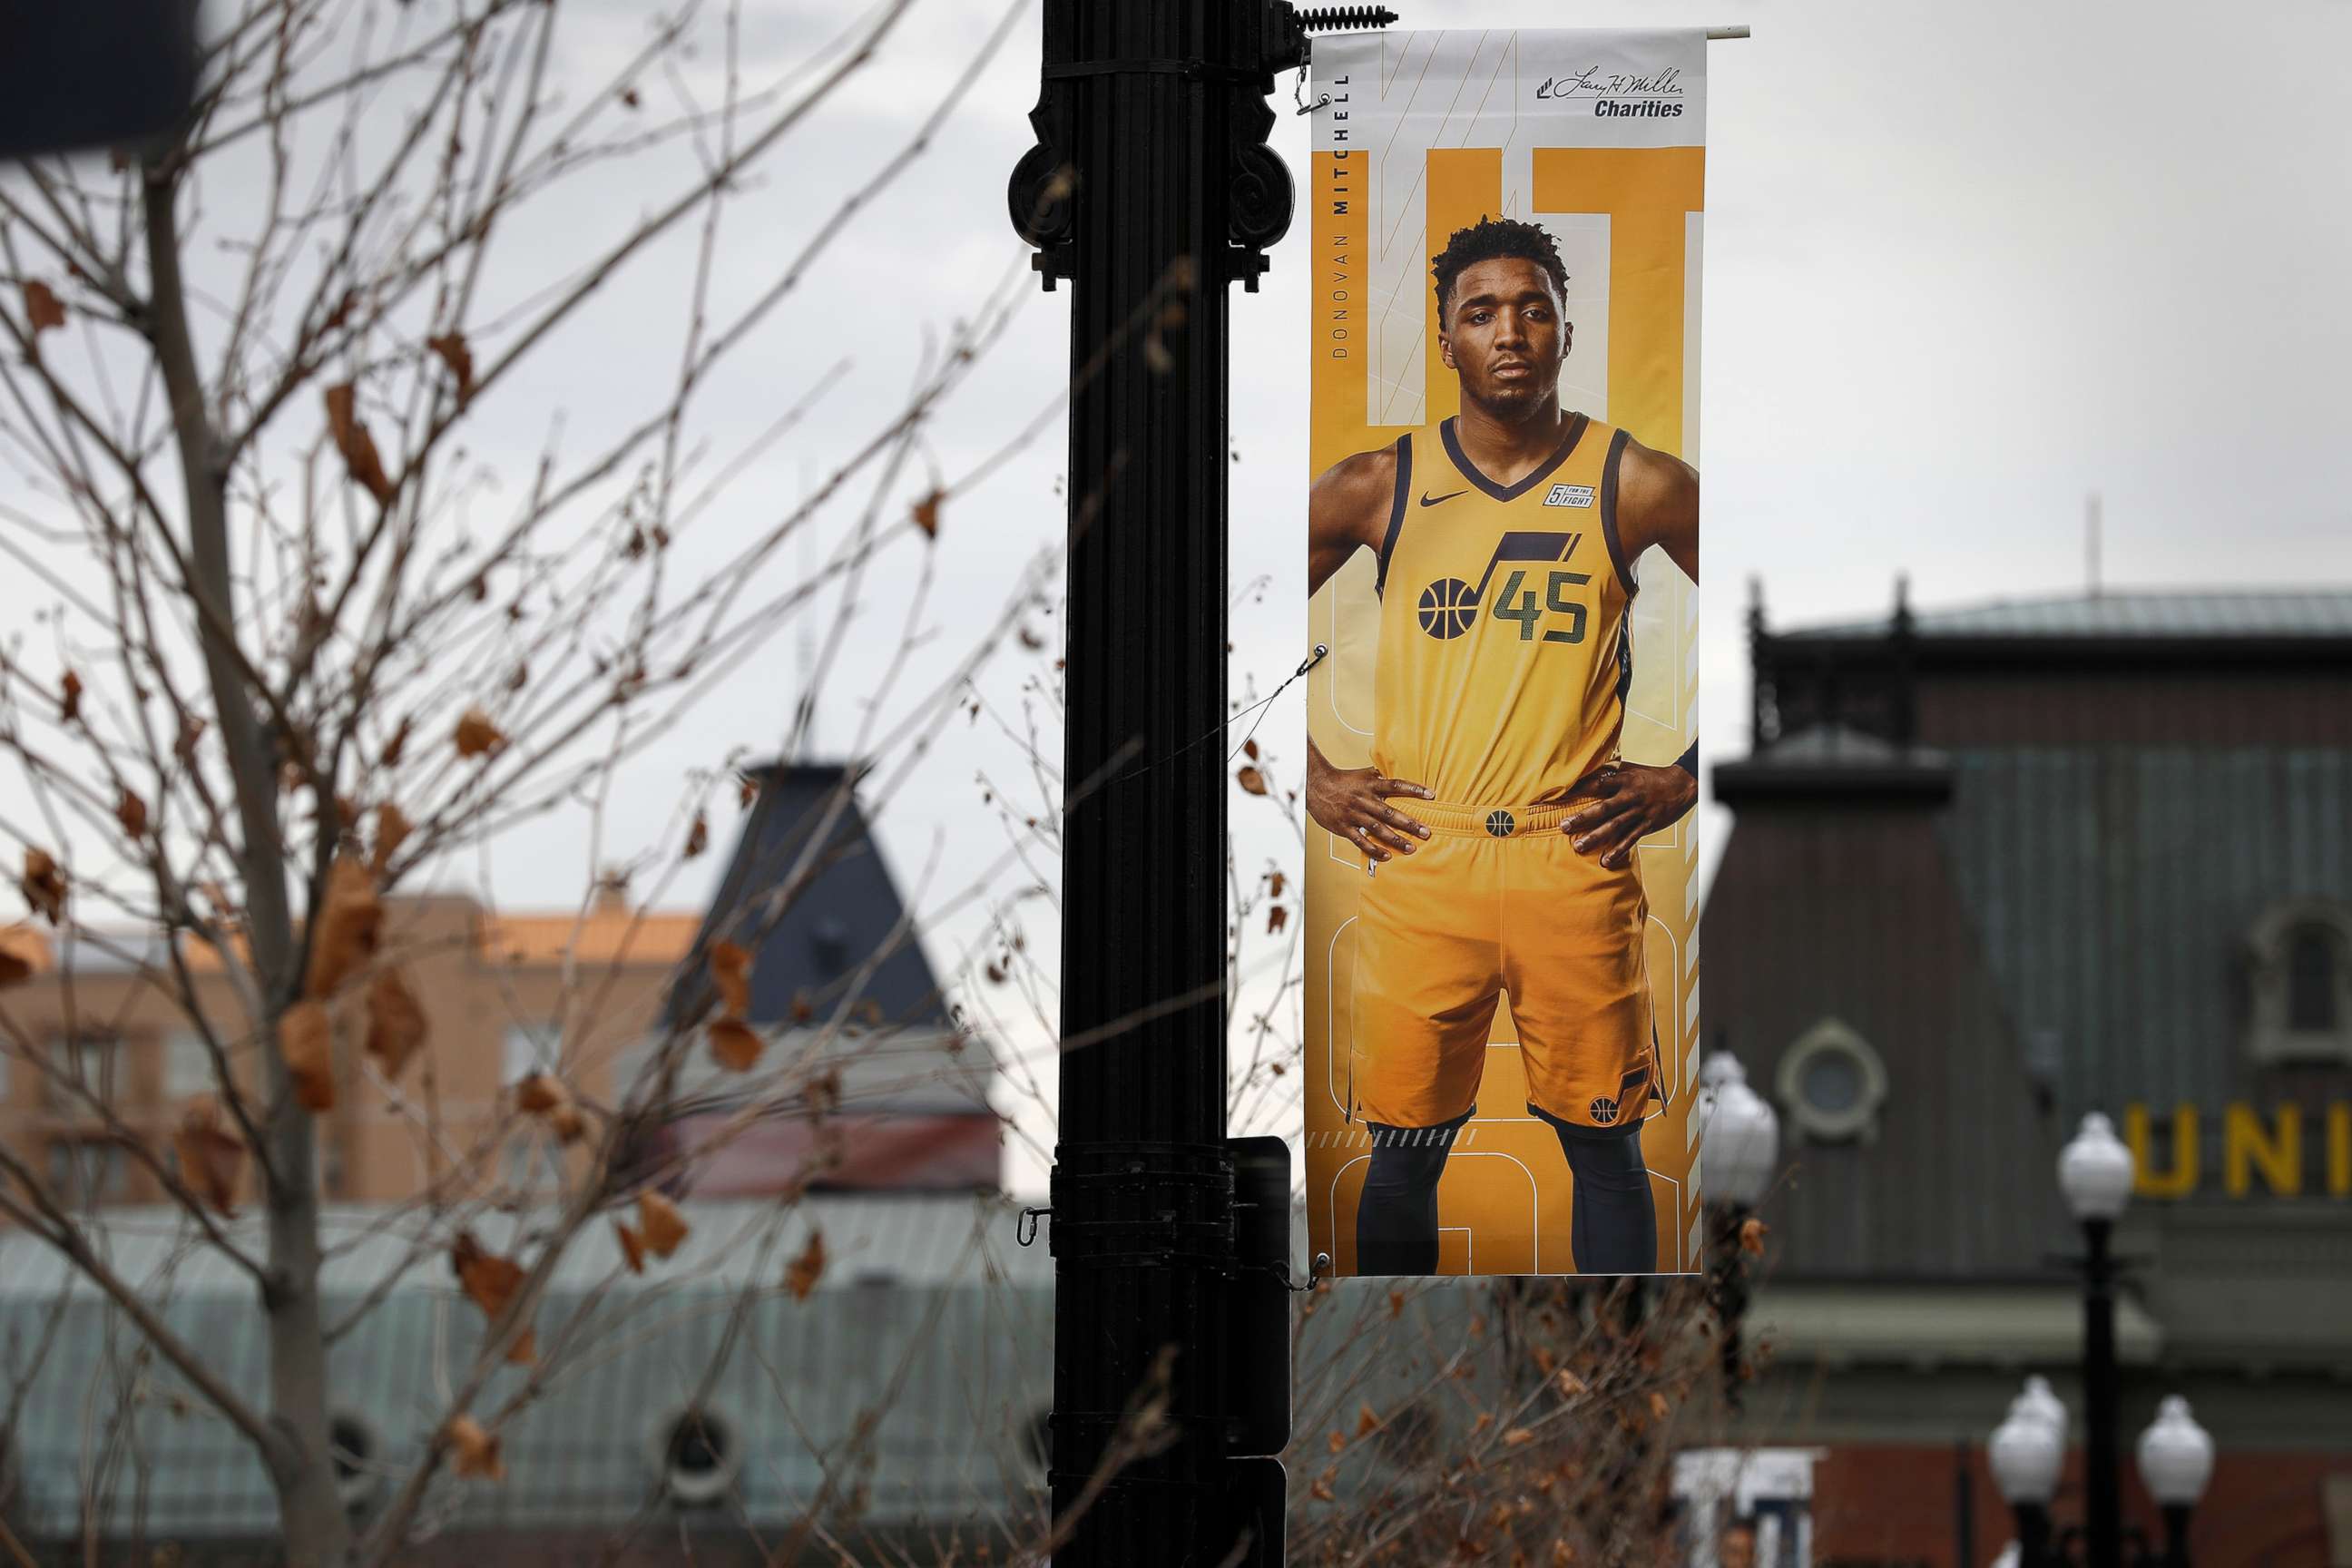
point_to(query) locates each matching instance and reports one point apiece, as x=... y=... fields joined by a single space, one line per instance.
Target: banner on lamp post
x=1503 y=984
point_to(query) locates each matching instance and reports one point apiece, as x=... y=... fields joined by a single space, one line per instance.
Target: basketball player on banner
x=1498 y=819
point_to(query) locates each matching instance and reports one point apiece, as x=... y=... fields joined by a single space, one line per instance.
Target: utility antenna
x=2090 y=541
x=802 y=745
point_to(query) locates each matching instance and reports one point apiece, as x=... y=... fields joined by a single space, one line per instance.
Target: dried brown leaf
x=451 y=347
x=1249 y=749
x=1367 y=1420
x=42 y=307
x=524 y=1350
x=1321 y=1487
x=69 y=698
x=1276 y=917
x=212 y=1157
x=131 y=813
x=538 y=1093
x=477 y=737
x=735 y=1045
x=660 y=1225
x=392 y=830
x=44 y=885
x=357 y=447
x=1517 y=1437
x=398 y=743
x=697 y=836
x=349 y=926
x=567 y=1123
x=807 y=1268
x=1251 y=780
x=1658 y=1406
x=472 y=1451
x=1275 y=883
x=731 y=970
x=306 y=1042
x=396 y=1026
x=1752 y=1232
x=633 y=1247
x=927 y=514
x=489 y=1279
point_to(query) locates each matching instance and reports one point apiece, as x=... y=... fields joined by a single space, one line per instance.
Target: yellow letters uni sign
x=2287 y=1151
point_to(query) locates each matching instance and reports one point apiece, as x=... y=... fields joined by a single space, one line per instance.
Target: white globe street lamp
x=1739 y=1141
x=2176 y=1455
x=2026 y=1454
x=2096 y=1171
x=2176 y=1460
x=2041 y=1401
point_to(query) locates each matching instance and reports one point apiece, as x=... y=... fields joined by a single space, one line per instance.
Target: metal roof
x=2113 y=890
x=928 y=1317
x=2170 y=613
x=914 y=1374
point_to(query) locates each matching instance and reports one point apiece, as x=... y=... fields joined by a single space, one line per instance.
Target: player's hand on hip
x=1353 y=803
x=1629 y=803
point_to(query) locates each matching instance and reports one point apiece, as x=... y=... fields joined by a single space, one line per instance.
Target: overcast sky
x=1965 y=265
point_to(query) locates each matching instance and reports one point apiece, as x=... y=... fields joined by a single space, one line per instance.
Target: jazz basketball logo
x=1449 y=607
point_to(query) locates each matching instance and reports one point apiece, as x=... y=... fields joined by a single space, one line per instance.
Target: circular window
x=352 y=1449
x=697 y=1454
x=1833 y=1083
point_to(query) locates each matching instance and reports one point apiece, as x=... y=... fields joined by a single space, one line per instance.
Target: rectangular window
x=86 y=1059
x=86 y=1170
x=187 y=1065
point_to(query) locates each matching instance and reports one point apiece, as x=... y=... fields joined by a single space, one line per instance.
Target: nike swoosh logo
x=1428 y=499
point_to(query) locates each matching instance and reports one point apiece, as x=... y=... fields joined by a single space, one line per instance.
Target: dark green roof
x=2170 y=613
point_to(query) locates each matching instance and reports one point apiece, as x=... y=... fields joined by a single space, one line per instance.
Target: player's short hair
x=1497 y=239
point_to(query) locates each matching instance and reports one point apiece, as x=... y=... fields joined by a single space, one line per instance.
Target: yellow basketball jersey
x=1504 y=655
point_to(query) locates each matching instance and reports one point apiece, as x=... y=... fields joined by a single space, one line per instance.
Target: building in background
x=1992 y=868
x=586 y=993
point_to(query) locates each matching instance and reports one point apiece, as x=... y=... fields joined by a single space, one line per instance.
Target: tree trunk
x=317 y=1533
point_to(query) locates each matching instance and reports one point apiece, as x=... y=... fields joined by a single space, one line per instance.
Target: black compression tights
x=1612 y=1223
x=1396 y=1219
x=1613 y=1228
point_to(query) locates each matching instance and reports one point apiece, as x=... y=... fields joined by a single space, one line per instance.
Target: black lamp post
x=1150 y=189
x=2095 y=1172
x=1739 y=1147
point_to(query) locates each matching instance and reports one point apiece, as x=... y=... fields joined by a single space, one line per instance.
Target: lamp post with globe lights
x=2094 y=1172
x=1739 y=1148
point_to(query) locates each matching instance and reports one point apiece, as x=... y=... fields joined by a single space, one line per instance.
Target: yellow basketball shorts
x=1496 y=901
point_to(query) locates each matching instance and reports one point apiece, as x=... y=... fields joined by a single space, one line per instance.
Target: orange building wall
x=588 y=987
